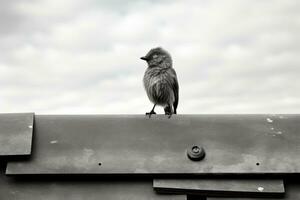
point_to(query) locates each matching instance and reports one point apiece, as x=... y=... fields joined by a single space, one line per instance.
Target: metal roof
x=135 y=144
x=136 y=157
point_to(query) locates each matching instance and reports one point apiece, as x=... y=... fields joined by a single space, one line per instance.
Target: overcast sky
x=82 y=56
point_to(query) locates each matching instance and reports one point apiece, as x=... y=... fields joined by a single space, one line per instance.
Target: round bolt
x=196 y=153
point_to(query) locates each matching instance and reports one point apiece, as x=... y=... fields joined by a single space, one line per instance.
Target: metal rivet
x=196 y=153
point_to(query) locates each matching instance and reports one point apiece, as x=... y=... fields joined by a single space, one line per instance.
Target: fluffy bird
x=160 y=81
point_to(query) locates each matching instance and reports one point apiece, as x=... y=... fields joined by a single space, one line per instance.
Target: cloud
x=82 y=57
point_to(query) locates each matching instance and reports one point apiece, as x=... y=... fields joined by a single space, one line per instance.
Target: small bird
x=160 y=81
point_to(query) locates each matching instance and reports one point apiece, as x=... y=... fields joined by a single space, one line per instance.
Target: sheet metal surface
x=292 y=193
x=135 y=144
x=29 y=188
x=221 y=187
x=16 y=134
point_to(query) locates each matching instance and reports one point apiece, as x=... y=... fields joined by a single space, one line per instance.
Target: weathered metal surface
x=221 y=187
x=16 y=134
x=135 y=144
x=82 y=190
x=29 y=188
x=292 y=193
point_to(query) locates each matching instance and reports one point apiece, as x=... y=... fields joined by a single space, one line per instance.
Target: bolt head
x=195 y=153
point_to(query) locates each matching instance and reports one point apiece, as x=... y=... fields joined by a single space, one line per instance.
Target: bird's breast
x=157 y=87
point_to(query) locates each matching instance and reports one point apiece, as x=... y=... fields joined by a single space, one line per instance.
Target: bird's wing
x=175 y=87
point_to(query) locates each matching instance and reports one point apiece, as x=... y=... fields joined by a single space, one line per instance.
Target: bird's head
x=158 y=57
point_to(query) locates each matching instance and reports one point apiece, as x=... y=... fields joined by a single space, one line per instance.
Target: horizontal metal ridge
x=221 y=187
x=138 y=145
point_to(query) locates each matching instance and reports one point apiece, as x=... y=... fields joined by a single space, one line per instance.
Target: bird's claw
x=150 y=113
x=169 y=115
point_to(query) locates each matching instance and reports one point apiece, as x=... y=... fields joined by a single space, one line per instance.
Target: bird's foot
x=151 y=113
x=169 y=114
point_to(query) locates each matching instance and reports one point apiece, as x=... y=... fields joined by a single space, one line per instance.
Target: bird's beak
x=144 y=58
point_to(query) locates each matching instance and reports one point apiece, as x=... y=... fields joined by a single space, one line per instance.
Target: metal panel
x=16 y=134
x=135 y=144
x=292 y=193
x=28 y=188
x=221 y=187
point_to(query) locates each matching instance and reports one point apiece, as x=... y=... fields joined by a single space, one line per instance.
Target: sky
x=82 y=56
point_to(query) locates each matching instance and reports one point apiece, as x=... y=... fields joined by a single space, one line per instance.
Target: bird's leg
x=168 y=110
x=151 y=112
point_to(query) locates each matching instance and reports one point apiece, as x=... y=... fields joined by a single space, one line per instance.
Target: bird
x=160 y=81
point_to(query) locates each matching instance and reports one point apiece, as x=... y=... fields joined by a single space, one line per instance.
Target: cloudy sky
x=82 y=56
